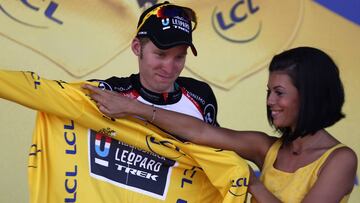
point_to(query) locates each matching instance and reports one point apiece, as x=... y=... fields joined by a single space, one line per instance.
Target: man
x=78 y=155
x=164 y=34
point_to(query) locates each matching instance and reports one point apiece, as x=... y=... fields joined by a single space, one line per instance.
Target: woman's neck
x=308 y=142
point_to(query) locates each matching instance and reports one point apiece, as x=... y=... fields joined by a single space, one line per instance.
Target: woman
x=306 y=164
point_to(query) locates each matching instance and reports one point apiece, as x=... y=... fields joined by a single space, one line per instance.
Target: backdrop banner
x=79 y=40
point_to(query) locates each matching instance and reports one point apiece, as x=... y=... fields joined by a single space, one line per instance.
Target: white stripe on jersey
x=184 y=106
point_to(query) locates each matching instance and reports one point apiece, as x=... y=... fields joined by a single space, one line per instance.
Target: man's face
x=159 y=68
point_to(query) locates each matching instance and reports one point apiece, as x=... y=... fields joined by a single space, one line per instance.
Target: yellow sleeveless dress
x=292 y=187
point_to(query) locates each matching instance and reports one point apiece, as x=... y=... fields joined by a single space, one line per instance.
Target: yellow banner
x=235 y=39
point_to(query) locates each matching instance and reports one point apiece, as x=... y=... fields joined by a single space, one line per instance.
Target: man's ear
x=136 y=46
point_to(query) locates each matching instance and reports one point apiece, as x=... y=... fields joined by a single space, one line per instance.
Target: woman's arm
x=250 y=145
x=336 y=178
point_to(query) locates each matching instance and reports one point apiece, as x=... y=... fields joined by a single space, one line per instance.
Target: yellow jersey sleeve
x=51 y=96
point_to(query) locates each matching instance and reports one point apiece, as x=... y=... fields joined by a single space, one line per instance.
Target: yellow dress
x=292 y=187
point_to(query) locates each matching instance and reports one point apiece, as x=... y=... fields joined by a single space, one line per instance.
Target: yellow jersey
x=79 y=155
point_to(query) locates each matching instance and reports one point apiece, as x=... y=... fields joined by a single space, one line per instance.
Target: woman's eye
x=279 y=93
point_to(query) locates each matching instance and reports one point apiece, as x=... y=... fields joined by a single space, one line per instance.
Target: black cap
x=168 y=25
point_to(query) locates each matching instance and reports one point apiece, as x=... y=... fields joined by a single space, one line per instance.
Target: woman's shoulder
x=339 y=152
x=339 y=169
x=344 y=154
x=341 y=158
x=336 y=177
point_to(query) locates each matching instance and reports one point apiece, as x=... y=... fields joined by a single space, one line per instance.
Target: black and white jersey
x=191 y=97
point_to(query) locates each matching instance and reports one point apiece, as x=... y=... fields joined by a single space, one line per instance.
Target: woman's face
x=283 y=100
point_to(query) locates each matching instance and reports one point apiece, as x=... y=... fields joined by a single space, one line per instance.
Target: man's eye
x=181 y=57
x=159 y=54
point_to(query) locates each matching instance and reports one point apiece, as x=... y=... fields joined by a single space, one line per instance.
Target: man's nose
x=169 y=66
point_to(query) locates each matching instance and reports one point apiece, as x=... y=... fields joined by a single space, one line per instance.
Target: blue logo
x=48 y=12
x=231 y=18
x=240 y=182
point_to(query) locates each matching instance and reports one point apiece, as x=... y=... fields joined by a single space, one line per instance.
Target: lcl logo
x=48 y=10
x=242 y=29
x=227 y=19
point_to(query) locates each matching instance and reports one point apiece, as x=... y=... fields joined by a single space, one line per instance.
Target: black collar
x=153 y=97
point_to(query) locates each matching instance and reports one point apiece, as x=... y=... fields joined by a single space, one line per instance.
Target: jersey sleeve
x=202 y=93
x=31 y=90
x=211 y=100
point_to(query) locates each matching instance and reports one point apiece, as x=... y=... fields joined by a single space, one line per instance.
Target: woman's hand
x=259 y=191
x=111 y=104
x=254 y=181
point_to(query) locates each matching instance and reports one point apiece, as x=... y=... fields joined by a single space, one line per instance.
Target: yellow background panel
x=87 y=48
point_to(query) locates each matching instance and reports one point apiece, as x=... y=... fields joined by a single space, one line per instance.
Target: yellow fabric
x=65 y=25
x=68 y=126
x=292 y=187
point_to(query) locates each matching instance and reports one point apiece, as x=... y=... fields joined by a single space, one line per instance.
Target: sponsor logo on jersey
x=36 y=78
x=209 y=114
x=71 y=174
x=104 y=86
x=236 y=184
x=129 y=167
x=156 y=146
